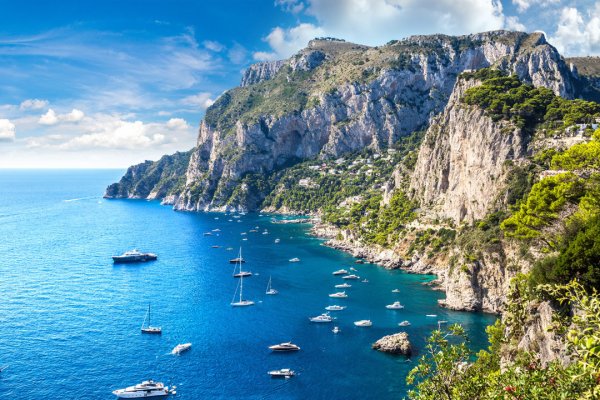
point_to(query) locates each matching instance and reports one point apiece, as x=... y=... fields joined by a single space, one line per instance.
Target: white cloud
x=213 y=45
x=177 y=124
x=51 y=118
x=201 y=100
x=286 y=42
x=375 y=22
x=292 y=6
x=576 y=33
x=237 y=54
x=33 y=104
x=523 y=5
x=104 y=131
x=514 y=24
x=7 y=130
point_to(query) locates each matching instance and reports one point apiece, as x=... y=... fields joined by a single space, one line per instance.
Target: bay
x=70 y=319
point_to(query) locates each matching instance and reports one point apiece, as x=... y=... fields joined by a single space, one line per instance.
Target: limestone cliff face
x=461 y=168
x=377 y=96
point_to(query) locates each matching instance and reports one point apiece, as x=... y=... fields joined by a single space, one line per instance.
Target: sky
x=108 y=84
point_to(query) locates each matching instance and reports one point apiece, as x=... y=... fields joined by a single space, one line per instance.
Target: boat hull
x=155 y=394
x=133 y=259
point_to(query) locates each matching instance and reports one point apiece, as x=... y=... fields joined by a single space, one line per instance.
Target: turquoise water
x=70 y=319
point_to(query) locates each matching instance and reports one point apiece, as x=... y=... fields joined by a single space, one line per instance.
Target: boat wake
x=79 y=199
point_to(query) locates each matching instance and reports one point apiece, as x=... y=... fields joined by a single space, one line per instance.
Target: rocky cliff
x=151 y=179
x=336 y=97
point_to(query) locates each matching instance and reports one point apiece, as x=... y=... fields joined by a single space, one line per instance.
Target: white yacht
x=286 y=346
x=146 y=389
x=343 y=286
x=336 y=329
x=322 y=318
x=241 y=302
x=339 y=294
x=395 y=306
x=180 y=348
x=295 y=259
x=404 y=323
x=281 y=373
x=363 y=323
x=351 y=276
x=277 y=241
x=270 y=289
x=340 y=272
x=396 y=291
x=335 y=307
x=431 y=315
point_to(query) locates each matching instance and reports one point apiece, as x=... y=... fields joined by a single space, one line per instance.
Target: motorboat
x=216 y=246
x=265 y=233
x=335 y=307
x=353 y=269
x=216 y=230
x=395 y=306
x=295 y=259
x=133 y=256
x=244 y=239
x=431 y=315
x=281 y=373
x=339 y=294
x=180 y=348
x=336 y=329
x=404 y=323
x=286 y=346
x=351 y=276
x=322 y=318
x=146 y=389
x=237 y=260
x=359 y=262
x=253 y=230
x=343 y=285
x=363 y=323
x=243 y=233
x=277 y=241
x=340 y=272
x=242 y=274
x=396 y=291
x=208 y=234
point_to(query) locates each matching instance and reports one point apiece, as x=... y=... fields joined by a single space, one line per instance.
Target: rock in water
x=397 y=343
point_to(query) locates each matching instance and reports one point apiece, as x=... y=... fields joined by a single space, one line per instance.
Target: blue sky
x=87 y=84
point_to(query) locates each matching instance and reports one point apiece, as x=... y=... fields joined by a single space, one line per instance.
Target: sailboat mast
x=241 y=275
x=149 y=315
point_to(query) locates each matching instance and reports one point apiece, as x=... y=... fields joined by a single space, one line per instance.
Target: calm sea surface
x=70 y=319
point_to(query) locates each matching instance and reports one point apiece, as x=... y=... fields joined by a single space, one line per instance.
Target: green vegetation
x=449 y=370
x=505 y=97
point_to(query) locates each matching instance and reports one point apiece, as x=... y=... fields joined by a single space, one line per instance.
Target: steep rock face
x=397 y=88
x=260 y=72
x=151 y=179
x=397 y=343
x=461 y=169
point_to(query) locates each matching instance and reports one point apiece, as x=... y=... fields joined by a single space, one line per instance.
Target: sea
x=70 y=319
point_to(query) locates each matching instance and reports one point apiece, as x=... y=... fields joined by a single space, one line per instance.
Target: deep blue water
x=70 y=319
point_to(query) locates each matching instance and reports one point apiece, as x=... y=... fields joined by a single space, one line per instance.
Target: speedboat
x=322 y=318
x=286 y=346
x=396 y=291
x=351 y=276
x=216 y=230
x=336 y=329
x=265 y=233
x=395 y=306
x=277 y=241
x=431 y=315
x=295 y=259
x=216 y=246
x=146 y=389
x=335 y=308
x=281 y=373
x=343 y=285
x=404 y=323
x=180 y=348
x=208 y=234
x=340 y=272
x=133 y=256
x=339 y=294
x=363 y=323
x=245 y=239
x=243 y=233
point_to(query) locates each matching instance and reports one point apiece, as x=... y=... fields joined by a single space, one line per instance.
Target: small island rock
x=397 y=343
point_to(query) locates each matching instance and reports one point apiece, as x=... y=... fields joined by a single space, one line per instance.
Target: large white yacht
x=340 y=272
x=322 y=318
x=180 y=348
x=339 y=294
x=146 y=389
x=363 y=323
x=286 y=346
x=335 y=307
x=133 y=256
x=395 y=306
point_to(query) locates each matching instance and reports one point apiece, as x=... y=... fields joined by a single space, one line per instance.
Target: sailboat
x=270 y=289
x=239 y=260
x=241 y=302
x=149 y=328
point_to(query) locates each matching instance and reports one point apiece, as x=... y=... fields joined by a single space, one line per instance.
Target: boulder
x=397 y=343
